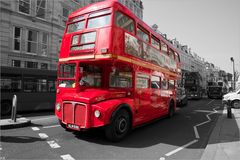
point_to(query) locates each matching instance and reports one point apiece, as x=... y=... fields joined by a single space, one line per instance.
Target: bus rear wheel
x=119 y=127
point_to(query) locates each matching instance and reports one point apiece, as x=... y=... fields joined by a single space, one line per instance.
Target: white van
x=232 y=99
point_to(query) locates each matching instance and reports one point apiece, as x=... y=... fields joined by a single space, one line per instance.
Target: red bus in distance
x=114 y=71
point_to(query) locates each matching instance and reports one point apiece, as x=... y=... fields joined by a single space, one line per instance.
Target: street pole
x=233 y=72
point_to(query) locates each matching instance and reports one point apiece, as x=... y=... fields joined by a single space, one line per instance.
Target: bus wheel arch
x=120 y=123
x=6 y=107
x=171 y=108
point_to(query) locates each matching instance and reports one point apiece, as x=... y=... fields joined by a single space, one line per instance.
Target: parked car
x=232 y=99
x=182 y=99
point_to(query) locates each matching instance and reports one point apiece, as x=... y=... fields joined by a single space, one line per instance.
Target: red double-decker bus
x=114 y=71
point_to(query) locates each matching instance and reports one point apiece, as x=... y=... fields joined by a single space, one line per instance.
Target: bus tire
x=171 y=110
x=119 y=126
x=6 y=107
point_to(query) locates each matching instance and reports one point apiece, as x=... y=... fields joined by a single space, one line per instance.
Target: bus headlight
x=58 y=106
x=97 y=113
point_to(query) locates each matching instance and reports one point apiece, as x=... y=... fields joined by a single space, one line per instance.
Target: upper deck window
x=124 y=22
x=143 y=34
x=87 y=41
x=98 y=21
x=100 y=13
x=171 y=54
x=155 y=42
x=177 y=56
x=164 y=47
x=77 y=26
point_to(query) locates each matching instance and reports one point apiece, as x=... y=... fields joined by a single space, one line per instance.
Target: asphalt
x=224 y=142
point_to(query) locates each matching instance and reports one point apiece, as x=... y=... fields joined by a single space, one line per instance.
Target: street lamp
x=233 y=73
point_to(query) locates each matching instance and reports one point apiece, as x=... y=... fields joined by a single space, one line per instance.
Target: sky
x=211 y=28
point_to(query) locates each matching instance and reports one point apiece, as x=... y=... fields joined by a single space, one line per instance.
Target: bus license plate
x=73 y=126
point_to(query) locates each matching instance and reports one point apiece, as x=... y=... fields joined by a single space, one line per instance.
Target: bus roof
x=110 y=3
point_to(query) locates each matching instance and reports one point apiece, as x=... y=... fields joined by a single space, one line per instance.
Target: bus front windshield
x=90 y=75
x=66 y=75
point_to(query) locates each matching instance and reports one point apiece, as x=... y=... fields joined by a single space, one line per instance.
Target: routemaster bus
x=114 y=71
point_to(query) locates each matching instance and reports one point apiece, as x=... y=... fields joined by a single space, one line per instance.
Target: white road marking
x=67 y=157
x=162 y=158
x=43 y=135
x=40 y=119
x=35 y=128
x=209 y=120
x=180 y=148
x=211 y=101
x=196 y=132
x=0 y=148
x=53 y=144
x=52 y=126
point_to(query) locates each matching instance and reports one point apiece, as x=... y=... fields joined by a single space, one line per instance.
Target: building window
x=32 y=41
x=44 y=66
x=44 y=47
x=16 y=63
x=28 y=64
x=17 y=38
x=24 y=6
x=65 y=13
x=41 y=8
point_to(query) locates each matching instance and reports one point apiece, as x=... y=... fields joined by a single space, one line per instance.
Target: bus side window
x=155 y=81
x=177 y=57
x=142 y=81
x=171 y=84
x=143 y=34
x=164 y=84
x=123 y=21
x=171 y=54
x=155 y=42
x=30 y=84
x=10 y=84
x=164 y=47
x=51 y=86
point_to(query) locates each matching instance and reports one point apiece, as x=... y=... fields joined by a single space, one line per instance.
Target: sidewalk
x=224 y=142
x=9 y=124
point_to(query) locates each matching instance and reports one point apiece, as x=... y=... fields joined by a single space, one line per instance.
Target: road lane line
x=180 y=148
x=40 y=119
x=196 y=132
x=67 y=157
x=43 y=135
x=35 y=128
x=52 y=126
x=209 y=120
x=53 y=144
x=211 y=101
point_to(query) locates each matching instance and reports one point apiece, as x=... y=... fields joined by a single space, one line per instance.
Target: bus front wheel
x=119 y=126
